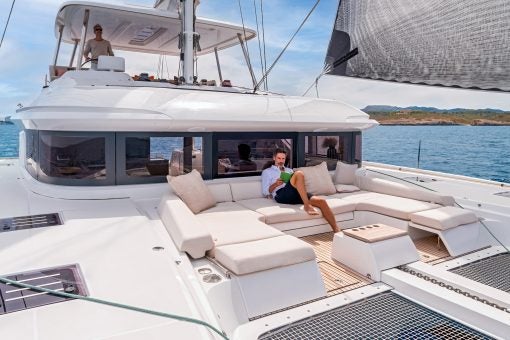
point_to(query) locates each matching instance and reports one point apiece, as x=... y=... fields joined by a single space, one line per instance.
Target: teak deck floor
x=339 y=278
x=431 y=250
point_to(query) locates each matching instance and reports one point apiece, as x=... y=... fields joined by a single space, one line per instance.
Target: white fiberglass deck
x=113 y=242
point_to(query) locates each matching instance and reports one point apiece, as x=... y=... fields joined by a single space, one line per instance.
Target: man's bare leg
x=326 y=211
x=298 y=181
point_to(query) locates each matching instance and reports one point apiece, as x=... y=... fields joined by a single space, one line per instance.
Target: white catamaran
x=96 y=244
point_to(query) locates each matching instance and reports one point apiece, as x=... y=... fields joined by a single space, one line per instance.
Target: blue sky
x=29 y=45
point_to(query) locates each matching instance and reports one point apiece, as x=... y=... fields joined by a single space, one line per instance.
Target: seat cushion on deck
x=444 y=218
x=357 y=196
x=346 y=188
x=277 y=213
x=246 y=190
x=228 y=226
x=394 y=206
x=251 y=257
x=407 y=190
x=221 y=192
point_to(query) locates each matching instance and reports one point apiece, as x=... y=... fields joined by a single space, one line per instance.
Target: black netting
x=436 y=42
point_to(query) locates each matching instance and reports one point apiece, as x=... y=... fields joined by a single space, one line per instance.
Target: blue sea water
x=8 y=140
x=477 y=151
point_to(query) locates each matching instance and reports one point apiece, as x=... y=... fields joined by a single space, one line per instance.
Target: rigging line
x=263 y=41
x=113 y=304
x=315 y=82
x=244 y=28
x=286 y=46
x=7 y=23
x=258 y=36
x=455 y=201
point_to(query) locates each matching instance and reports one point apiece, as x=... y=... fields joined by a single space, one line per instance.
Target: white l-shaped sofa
x=255 y=238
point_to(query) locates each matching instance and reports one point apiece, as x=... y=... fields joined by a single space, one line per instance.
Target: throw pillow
x=317 y=179
x=345 y=173
x=193 y=191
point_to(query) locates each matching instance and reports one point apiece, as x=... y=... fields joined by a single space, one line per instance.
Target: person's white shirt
x=269 y=176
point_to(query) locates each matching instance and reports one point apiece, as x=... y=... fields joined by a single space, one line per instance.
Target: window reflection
x=73 y=157
x=161 y=156
x=329 y=149
x=249 y=156
x=32 y=153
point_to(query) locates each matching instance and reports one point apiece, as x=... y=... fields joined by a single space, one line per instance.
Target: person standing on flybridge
x=288 y=187
x=96 y=47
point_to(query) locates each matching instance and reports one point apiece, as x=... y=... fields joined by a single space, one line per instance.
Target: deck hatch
x=66 y=279
x=29 y=222
x=492 y=271
x=383 y=316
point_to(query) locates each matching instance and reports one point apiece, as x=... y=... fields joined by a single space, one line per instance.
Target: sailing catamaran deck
x=96 y=148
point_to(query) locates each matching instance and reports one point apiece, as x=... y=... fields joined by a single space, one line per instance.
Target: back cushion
x=193 y=191
x=221 y=192
x=318 y=180
x=345 y=173
x=246 y=190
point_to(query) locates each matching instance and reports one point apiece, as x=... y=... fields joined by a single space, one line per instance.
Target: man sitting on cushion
x=294 y=191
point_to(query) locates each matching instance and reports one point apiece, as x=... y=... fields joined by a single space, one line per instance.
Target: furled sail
x=435 y=42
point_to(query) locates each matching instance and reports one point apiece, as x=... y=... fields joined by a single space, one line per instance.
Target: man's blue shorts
x=288 y=195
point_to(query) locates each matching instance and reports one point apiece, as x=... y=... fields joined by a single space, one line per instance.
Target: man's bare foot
x=311 y=210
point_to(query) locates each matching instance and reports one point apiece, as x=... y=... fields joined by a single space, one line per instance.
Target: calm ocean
x=477 y=151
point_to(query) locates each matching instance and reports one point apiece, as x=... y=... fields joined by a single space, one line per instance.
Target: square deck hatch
x=66 y=279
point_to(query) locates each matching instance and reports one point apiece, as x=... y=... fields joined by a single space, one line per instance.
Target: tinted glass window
x=161 y=156
x=249 y=156
x=73 y=157
x=329 y=149
x=32 y=153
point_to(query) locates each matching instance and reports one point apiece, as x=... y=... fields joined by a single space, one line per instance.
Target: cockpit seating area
x=252 y=236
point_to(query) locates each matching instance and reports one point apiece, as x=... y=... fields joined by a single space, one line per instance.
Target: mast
x=188 y=33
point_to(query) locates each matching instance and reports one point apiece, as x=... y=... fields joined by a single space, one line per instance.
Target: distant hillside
x=416 y=115
x=388 y=108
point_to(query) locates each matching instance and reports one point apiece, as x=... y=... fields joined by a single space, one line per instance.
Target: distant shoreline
x=432 y=122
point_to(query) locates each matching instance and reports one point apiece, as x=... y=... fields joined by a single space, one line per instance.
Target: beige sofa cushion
x=193 y=191
x=388 y=187
x=230 y=223
x=318 y=180
x=278 y=213
x=251 y=257
x=346 y=188
x=357 y=196
x=444 y=218
x=221 y=192
x=246 y=190
x=345 y=173
x=398 y=207
x=185 y=229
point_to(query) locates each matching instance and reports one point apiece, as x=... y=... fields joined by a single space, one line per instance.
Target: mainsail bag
x=435 y=42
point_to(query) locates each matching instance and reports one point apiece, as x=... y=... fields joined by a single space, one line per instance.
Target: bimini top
x=143 y=29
